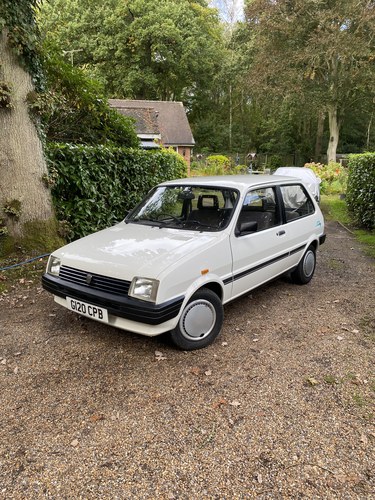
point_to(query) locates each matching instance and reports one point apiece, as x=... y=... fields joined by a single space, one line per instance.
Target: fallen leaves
x=312 y=381
x=96 y=417
x=159 y=356
x=219 y=403
x=224 y=402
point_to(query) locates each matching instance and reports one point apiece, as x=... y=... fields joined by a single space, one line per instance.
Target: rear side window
x=297 y=202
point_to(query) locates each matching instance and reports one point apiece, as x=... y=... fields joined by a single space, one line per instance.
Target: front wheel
x=200 y=321
x=305 y=269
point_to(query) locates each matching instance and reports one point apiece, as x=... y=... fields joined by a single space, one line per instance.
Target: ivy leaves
x=18 y=17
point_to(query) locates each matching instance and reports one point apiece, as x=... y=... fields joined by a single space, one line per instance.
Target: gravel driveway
x=280 y=406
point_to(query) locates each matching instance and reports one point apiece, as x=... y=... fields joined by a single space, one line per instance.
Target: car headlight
x=144 y=289
x=53 y=266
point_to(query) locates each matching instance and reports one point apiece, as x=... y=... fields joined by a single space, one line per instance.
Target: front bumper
x=116 y=305
x=322 y=239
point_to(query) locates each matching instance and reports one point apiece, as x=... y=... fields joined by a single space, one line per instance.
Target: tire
x=200 y=321
x=305 y=269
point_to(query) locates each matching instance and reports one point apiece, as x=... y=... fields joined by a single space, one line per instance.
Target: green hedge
x=361 y=189
x=94 y=186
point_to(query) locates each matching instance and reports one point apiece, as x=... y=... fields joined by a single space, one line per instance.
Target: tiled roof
x=146 y=119
x=171 y=119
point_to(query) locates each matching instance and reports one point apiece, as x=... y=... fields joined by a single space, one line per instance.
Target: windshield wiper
x=194 y=222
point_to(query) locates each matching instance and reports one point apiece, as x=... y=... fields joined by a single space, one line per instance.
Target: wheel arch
x=215 y=287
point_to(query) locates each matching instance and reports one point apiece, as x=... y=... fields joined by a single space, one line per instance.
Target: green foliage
x=12 y=208
x=336 y=208
x=5 y=95
x=334 y=176
x=320 y=53
x=150 y=50
x=361 y=189
x=274 y=162
x=217 y=164
x=75 y=110
x=23 y=34
x=96 y=185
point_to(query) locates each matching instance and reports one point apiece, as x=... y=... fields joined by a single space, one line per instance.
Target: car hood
x=127 y=250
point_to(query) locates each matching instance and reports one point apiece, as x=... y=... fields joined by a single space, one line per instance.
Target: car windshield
x=186 y=207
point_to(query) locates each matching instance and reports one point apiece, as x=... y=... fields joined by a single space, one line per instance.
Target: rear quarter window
x=297 y=202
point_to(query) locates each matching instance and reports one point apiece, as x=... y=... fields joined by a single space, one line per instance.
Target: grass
x=334 y=208
x=21 y=276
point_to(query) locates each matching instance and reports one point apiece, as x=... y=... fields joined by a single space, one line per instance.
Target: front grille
x=98 y=282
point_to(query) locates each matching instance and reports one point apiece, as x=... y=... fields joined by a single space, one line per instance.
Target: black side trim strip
x=296 y=250
x=124 y=307
x=254 y=269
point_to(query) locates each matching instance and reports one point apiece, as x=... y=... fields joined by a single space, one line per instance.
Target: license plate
x=89 y=310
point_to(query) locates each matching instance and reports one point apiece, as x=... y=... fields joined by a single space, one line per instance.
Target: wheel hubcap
x=309 y=263
x=198 y=320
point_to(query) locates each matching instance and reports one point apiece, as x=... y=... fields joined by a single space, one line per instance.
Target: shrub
x=74 y=109
x=361 y=189
x=94 y=186
x=217 y=165
x=274 y=162
x=333 y=176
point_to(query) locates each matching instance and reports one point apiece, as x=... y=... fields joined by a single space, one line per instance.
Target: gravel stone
x=280 y=406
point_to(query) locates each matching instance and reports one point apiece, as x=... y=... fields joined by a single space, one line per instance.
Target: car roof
x=233 y=181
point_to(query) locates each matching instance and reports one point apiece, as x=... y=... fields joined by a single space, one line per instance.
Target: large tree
x=322 y=51
x=139 y=49
x=25 y=202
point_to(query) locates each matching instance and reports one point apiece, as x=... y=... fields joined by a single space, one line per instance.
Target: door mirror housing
x=247 y=228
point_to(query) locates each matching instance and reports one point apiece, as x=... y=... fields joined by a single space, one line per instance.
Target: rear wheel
x=200 y=321
x=305 y=269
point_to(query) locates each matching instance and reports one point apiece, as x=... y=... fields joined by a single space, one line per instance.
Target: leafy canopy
x=74 y=108
x=139 y=49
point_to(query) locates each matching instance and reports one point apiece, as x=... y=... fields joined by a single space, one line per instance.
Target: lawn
x=335 y=208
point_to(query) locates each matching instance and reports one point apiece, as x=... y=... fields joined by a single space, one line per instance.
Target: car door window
x=260 y=207
x=297 y=202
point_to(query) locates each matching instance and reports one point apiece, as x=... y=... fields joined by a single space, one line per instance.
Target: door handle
x=280 y=233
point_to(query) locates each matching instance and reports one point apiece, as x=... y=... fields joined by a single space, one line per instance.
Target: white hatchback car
x=188 y=248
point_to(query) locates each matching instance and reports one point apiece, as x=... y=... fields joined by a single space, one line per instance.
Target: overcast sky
x=230 y=10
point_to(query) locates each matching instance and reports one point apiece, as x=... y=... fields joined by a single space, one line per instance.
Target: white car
x=306 y=175
x=188 y=248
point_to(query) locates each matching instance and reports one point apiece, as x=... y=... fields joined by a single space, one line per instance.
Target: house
x=162 y=122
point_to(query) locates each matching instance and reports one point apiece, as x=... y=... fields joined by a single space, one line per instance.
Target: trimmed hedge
x=360 y=193
x=94 y=186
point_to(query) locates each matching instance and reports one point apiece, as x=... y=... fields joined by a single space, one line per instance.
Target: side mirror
x=247 y=228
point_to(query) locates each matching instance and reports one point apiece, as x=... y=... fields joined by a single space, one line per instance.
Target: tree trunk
x=22 y=163
x=369 y=132
x=319 y=136
x=333 y=133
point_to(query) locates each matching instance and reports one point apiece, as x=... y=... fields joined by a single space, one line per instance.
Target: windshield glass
x=186 y=207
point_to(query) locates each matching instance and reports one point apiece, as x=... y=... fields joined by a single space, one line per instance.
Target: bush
x=274 y=162
x=217 y=165
x=333 y=176
x=361 y=189
x=74 y=109
x=94 y=186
